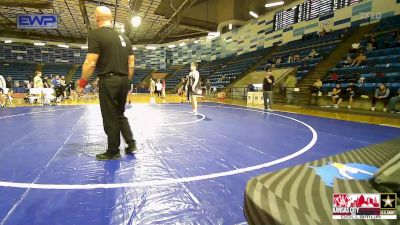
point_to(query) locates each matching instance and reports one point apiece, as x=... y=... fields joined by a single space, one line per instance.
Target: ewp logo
x=348 y=171
x=37 y=21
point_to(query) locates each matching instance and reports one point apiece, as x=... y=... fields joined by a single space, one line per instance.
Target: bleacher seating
x=56 y=69
x=207 y=70
x=40 y=54
x=323 y=46
x=139 y=75
x=18 y=71
x=167 y=71
x=78 y=73
x=313 y=39
x=204 y=68
x=233 y=67
x=389 y=23
x=230 y=71
x=175 y=78
x=381 y=66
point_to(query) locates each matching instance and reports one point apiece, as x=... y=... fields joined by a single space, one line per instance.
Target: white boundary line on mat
x=176 y=180
x=202 y=117
x=37 y=112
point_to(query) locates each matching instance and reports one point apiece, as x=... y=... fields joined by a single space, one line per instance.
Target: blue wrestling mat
x=188 y=169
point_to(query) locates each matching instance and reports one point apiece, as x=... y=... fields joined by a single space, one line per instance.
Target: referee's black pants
x=113 y=91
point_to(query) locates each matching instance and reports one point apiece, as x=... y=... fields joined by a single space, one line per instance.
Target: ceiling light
x=171 y=46
x=136 y=21
x=39 y=44
x=214 y=34
x=84 y=47
x=134 y=48
x=182 y=44
x=151 y=47
x=8 y=41
x=230 y=26
x=274 y=4
x=196 y=41
x=63 y=46
x=253 y=14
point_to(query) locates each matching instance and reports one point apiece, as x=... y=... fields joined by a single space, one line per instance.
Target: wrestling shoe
x=108 y=156
x=131 y=149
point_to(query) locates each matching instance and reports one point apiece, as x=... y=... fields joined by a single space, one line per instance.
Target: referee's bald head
x=103 y=14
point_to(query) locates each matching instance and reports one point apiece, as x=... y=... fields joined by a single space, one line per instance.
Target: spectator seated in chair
x=296 y=58
x=333 y=77
x=359 y=60
x=347 y=62
x=221 y=95
x=337 y=96
x=278 y=61
x=372 y=44
x=56 y=83
x=313 y=54
x=316 y=88
x=323 y=33
x=393 y=101
x=382 y=93
x=354 y=47
x=250 y=88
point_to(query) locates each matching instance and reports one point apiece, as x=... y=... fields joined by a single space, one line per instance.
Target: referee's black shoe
x=108 y=156
x=131 y=149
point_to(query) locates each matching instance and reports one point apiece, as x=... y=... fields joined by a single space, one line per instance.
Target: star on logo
x=388 y=201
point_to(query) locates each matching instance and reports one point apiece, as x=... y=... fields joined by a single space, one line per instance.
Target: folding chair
x=35 y=94
x=49 y=96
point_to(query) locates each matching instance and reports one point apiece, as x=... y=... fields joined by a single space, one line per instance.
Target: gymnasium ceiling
x=162 y=20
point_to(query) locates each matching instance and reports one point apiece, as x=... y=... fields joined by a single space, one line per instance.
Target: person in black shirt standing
x=111 y=53
x=351 y=94
x=268 y=84
x=9 y=83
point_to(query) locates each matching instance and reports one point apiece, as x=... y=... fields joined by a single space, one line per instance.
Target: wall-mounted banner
x=326 y=24
x=37 y=21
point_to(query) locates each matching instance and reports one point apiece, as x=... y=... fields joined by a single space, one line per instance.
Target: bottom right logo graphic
x=364 y=206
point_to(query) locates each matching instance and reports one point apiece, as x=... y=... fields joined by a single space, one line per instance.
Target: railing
x=283 y=77
x=237 y=92
x=306 y=47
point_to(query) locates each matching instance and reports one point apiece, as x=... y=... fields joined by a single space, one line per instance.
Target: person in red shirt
x=334 y=77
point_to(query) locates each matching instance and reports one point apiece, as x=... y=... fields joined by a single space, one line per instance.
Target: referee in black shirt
x=111 y=53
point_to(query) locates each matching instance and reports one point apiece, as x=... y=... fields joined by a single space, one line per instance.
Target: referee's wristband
x=82 y=83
